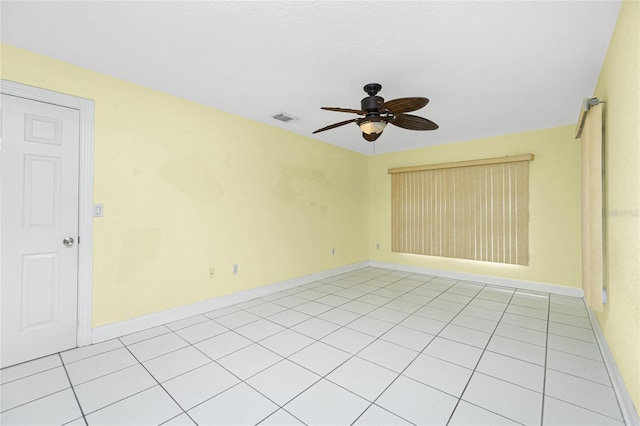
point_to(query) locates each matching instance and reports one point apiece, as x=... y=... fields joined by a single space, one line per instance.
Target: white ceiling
x=488 y=68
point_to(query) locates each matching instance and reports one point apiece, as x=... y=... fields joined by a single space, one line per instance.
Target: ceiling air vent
x=285 y=117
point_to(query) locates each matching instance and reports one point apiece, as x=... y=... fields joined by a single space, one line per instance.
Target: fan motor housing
x=371 y=103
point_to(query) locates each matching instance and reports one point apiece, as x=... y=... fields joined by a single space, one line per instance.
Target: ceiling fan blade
x=372 y=137
x=413 y=122
x=333 y=126
x=398 y=106
x=355 y=111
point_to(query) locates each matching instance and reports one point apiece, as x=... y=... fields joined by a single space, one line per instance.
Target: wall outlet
x=212 y=273
x=333 y=252
x=235 y=269
x=377 y=246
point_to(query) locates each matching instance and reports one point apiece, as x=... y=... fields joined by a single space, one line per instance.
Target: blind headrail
x=467 y=163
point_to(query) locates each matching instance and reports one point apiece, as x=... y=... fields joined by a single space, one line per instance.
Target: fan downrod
x=372 y=88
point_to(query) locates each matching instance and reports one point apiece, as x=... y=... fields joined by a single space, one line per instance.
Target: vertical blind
x=476 y=209
x=592 y=234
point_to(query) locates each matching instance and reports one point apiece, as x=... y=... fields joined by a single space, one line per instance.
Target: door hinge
x=78 y=239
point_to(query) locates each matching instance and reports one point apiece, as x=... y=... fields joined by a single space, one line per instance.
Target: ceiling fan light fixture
x=370 y=126
x=378 y=113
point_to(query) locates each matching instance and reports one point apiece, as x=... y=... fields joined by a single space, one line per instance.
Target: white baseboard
x=504 y=282
x=629 y=413
x=112 y=331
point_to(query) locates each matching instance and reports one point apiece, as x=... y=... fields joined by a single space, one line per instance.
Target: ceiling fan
x=378 y=113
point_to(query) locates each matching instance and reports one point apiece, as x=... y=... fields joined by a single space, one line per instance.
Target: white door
x=39 y=233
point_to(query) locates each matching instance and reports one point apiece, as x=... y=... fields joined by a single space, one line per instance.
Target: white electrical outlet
x=377 y=246
x=235 y=269
x=212 y=273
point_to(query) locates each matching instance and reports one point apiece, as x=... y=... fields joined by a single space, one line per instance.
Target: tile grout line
x=34 y=400
x=351 y=356
x=427 y=345
x=284 y=358
x=574 y=354
x=418 y=354
x=241 y=381
x=232 y=330
x=478 y=363
x=119 y=400
x=580 y=377
x=621 y=422
x=544 y=367
x=213 y=361
x=128 y=366
x=546 y=355
x=49 y=394
x=340 y=326
x=398 y=374
x=481 y=355
x=30 y=375
x=486 y=409
x=124 y=346
x=159 y=384
x=547 y=321
x=73 y=389
x=88 y=357
x=394 y=324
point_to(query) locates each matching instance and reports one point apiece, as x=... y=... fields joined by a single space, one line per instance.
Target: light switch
x=98 y=210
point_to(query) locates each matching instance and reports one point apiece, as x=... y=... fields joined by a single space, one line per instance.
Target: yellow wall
x=186 y=187
x=619 y=86
x=554 y=194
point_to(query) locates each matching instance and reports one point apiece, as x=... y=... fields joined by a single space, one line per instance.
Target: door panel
x=40 y=279
x=43 y=129
x=40 y=147
x=41 y=191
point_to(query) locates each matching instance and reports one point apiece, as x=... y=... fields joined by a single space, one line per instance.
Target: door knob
x=68 y=241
